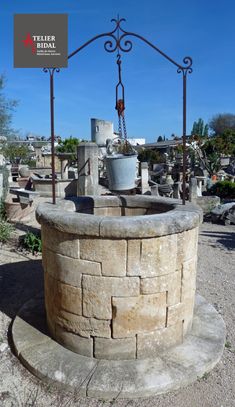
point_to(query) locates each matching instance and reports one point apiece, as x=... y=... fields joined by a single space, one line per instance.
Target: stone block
x=186 y=246
x=135 y=211
x=83 y=326
x=115 y=348
x=51 y=291
x=70 y=298
x=97 y=293
x=153 y=343
x=74 y=342
x=189 y=271
x=133 y=257
x=158 y=256
x=112 y=211
x=60 y=242
x=181 y=312
x=175 y=314
x=110 y=253
x=188 y=315
x=69 y=270
x=170 y=283
x=51 y=300
x=141 y=314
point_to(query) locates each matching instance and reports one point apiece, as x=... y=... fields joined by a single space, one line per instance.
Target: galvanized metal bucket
x=121 y=171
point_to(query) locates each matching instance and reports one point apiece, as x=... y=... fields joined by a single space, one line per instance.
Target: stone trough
x=120 y=281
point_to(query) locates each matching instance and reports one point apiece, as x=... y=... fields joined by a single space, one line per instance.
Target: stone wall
x=119 y=298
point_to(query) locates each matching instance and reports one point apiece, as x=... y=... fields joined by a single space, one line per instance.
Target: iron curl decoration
x=188 y=68
x=117 y=42
x=109 y=45
x=51 y=70
x=127 y=44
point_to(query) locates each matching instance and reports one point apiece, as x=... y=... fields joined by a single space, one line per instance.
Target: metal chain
x=124 y=127
x=120 y=127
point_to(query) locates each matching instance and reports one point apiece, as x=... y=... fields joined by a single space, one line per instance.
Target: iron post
x=52 y=98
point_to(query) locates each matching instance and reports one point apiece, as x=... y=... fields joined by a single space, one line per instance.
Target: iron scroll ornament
x=120 y=40
x=51 y=70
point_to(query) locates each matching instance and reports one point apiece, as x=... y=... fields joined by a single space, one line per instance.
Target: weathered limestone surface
x=110 y=253
x=151 y=344
x=134 y=315
x=83 y=326
x=97 y=293
x=115 y=348
x=119 y=287
x=169 y=283
x=74 y=342
x=60 y=242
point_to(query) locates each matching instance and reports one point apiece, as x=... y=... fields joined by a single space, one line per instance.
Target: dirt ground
x=21 y=278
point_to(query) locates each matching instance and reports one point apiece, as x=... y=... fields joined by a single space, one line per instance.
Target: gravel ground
x=21 y=278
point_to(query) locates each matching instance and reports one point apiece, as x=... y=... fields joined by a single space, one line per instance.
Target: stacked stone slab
x=120 y=274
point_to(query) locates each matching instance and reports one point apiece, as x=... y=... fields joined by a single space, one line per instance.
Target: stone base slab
x=109 y=379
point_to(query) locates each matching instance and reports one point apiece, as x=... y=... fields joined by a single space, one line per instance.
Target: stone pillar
x=88 y=179
x=144 y=177
x=101 y=130
x=176 y=190
x=154 y=190
x=199 y=187
x=64 y=168
x=192 y=189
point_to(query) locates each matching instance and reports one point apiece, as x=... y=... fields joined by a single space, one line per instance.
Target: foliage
x=225 y=142
x=32 y=242
x=222 y=122
x=151 y=156
x=15 y=152
x=2 y=210
x=200 y=129
x=223 y=189
x=7 y=106
x=31 y=163
x=6 y=230
x=69 y=145
x=161 y=138
x=209 y=150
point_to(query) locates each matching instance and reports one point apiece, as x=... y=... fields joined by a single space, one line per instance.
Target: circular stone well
x=120 y=274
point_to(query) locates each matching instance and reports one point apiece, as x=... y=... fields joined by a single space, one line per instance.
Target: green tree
x=15 y=152
x=225 y=142
x=7 y=106
x=69 y=145
x=159 y=139
x=151 y=156
x=222 y=122
x=199 y=128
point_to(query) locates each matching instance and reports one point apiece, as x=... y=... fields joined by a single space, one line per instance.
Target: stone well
x=120 y=274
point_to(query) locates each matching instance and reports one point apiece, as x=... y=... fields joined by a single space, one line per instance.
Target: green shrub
x=223 y=189
x=6 y=230
x=2 y=210
x=32 y=242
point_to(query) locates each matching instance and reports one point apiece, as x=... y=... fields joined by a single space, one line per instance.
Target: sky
x=201 y=29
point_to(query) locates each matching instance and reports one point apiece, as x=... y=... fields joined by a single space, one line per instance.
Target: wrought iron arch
x=119 y=40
